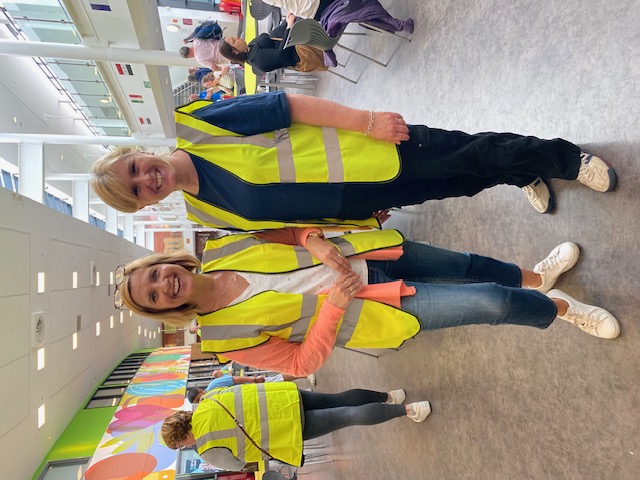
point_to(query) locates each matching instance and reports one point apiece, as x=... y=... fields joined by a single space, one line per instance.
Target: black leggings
x=327 y=412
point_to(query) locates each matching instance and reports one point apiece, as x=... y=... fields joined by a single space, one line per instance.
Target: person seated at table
x=223 y=81
x=207 y=94
x=267 y=51
x=223 y=380
x=196 y=74
x=261 y=300
x=229 y=427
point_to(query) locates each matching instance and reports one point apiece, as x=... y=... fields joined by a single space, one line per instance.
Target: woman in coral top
x=281 y=300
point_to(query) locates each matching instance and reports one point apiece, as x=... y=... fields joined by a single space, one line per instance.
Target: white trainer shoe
x=419 y=411
x=595 y=173
x=594 y=320
x=539 y=195
x=396 y=397
x=561 y=259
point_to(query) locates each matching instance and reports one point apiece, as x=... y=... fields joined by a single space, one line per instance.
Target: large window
x=201 y=372
x=64 y=469
x=79 y=80
x=113 y=387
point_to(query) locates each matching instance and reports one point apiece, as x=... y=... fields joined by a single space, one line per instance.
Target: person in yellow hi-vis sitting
x=253 y=422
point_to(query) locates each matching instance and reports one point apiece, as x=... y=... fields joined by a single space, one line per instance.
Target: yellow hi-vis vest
x=269 y=412
x=290 y=316
x=298 y=154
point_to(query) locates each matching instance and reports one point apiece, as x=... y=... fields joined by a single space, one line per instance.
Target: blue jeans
x=454 y=289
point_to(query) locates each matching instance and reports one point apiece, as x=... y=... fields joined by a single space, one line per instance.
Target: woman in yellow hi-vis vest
x=274 y=160
x=252 y=422
x=263 y=300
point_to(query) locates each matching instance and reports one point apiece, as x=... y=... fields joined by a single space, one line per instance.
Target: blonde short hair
x=176 y=428
x=181 y=316
x=107 y=184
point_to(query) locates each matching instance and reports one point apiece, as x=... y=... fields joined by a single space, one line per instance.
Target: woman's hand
x=224 y=70
x=328 y=254
x=389 y=127
x=344 y=289
x=258 y=379
x=291 y=19
x=382 y=215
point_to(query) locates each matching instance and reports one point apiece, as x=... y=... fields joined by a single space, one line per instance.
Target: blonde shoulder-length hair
x=109 y=187
x=181 y=316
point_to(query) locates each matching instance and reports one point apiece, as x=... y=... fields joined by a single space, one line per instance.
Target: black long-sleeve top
x=266 y=54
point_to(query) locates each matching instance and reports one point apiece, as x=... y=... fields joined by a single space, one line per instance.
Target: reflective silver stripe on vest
x=303 y=257
x=204 y=217
x=349 y=321
x=345 y=247
x=264 y=419
x=281 y=142
x=334 y=155
x=198 y=137
x=298 y=327
x=285 y=156
x=230 y=249
x=217 y=435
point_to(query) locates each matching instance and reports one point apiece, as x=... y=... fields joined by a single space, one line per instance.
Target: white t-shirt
x=300 y=8
x=310 y=281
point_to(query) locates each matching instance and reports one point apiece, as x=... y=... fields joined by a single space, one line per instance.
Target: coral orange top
x=300 y=359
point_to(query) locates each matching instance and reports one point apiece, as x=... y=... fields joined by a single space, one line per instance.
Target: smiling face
x=161 y=287
x=148 y=177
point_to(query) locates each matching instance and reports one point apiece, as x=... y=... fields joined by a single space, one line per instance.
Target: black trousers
x=328 y=412
x=439 y=164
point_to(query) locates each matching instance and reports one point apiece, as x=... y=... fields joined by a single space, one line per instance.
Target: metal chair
x=260 y=10
x=310 y=32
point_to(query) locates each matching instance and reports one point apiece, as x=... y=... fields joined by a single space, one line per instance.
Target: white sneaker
x=419 y=411
x=312 y=379
x=396 y=397
x=539 y=195
x=561 y=259
x=595 y=321
x=595 y=173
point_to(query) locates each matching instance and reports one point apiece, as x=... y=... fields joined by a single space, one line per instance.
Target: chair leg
x=344 y=77
x=371 y=27
x=362 y=55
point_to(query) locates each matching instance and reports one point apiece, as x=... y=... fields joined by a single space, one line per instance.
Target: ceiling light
x=104 y=100
x=173 y=28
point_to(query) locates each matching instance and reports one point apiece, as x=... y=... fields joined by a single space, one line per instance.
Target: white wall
x=35 y=238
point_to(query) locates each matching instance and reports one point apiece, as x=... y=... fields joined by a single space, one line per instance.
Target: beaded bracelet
x=371 y=120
